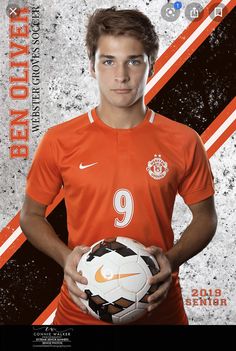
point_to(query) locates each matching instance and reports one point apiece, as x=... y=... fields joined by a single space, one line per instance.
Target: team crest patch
x=157 y=168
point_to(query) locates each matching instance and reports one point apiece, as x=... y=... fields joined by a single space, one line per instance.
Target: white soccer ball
x=117 y=270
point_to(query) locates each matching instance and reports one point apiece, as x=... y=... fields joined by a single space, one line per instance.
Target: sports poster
x=45 y=81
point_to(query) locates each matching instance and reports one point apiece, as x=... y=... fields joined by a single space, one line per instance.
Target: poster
x=45 y=81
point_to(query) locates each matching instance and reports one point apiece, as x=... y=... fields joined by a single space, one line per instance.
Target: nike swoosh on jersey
x=81 y=166
x=99 y=277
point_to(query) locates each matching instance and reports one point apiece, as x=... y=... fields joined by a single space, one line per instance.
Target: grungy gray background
x=67 y=91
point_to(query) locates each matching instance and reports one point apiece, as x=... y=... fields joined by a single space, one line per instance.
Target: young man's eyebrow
x=112 y=57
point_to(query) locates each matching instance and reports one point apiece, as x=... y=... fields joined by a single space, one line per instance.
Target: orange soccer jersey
x=121 y=182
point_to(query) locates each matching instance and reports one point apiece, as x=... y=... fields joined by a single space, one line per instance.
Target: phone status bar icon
x=170 y=12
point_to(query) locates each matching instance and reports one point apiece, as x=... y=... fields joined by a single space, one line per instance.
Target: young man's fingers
x=153 y=306
x=81 y=249
x=73 y=288
x=156 y=302
x=157 y=297
x=161 y=291
x=159 y=255
x=76 y=276
x=160 y=277
x=78 y=302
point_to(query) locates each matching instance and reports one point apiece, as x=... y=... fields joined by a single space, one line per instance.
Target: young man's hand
x=71 y=276
x=162 y=279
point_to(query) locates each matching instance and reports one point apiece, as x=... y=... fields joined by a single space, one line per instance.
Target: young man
x=121 y=166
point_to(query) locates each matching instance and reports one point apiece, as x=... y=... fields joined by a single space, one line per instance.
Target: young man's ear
x=151 y=67
x=92 y=69
x=151 y=71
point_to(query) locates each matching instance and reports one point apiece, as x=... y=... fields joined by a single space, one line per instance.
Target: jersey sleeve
x=197 y=183
x=44 y=179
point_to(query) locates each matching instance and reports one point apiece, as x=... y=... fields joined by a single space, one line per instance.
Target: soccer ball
x=117 y=270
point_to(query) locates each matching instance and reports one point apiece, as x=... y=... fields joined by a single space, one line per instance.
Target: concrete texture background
x=67 y=90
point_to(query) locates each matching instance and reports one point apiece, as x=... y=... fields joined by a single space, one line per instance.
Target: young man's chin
x=123 y=103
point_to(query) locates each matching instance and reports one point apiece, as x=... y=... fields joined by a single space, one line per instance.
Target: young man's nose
x=121 y=74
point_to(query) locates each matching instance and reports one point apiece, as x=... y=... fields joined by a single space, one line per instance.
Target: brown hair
x=115 y=22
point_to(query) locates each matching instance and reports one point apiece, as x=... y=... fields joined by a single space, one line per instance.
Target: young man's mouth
x=122 y=91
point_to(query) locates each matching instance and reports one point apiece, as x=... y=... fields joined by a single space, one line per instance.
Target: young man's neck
x=122 y=117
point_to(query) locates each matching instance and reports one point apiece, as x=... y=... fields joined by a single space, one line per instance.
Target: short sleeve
x=44 y=180
x=197 y=183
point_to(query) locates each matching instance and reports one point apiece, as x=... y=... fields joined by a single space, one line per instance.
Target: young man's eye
x=134 y=62
x=108 y=62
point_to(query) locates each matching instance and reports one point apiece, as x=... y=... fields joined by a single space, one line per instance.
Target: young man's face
x=121 y=69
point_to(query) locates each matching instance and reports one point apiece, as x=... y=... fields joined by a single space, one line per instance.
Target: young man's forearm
x=193 y=240
x=41 y=235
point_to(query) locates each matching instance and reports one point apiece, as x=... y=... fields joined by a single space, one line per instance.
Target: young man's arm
x=197 y=235
x=41 y=235
x=193 y=240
